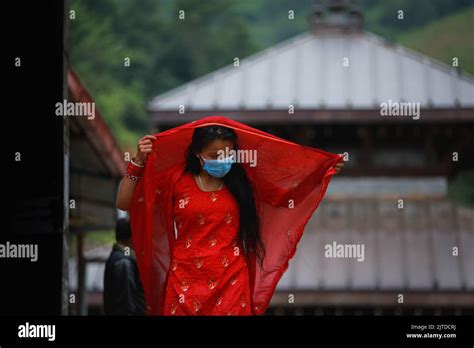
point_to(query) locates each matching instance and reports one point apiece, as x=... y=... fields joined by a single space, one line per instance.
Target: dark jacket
x=123 y=292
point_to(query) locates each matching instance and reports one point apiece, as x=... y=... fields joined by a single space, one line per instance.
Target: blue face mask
x=217 y=168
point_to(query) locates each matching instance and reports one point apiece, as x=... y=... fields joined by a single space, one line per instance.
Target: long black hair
x=236 y=181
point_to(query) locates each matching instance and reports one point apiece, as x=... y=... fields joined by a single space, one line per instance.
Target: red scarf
x=289 y=182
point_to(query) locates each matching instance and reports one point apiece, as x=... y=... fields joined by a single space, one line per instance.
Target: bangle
x=134 y=170
x=133 y=177
x=135 y=164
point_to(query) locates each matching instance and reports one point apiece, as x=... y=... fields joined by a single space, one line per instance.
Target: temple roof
x=308 y=71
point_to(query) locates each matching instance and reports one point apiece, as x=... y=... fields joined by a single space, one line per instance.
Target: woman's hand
x=144 y=147
x=339 y=165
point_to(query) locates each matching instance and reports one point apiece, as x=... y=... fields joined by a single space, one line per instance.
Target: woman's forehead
x=217 y=145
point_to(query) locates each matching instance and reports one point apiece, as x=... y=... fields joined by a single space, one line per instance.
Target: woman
x=214 y=233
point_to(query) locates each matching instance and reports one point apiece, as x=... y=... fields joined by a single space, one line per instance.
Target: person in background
x=123 y=292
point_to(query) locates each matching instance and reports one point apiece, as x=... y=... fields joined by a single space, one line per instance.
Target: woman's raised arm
x=128 y=183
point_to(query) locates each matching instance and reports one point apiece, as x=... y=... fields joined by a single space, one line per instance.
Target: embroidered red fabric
x=209 y=274
x=289 y=182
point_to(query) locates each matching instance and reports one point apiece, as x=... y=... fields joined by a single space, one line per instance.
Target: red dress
x=208 y=274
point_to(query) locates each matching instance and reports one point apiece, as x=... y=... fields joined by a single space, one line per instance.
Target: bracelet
x=133 y=177
x=134 y=170
x=136 y=164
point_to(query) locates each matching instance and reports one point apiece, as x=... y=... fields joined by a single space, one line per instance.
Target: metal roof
x=95 y=163
x=307 y=71
x=105 y=149
x=404 y=249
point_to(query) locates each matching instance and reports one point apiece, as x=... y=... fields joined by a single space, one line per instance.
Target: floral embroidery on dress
x=184 y=286
x=173 y=308
x=225 y=261
x=212 y=241
x=174 y=265
x=183 y=202
x=242 y=301
x=212 y=283
x=196 y=305
x=219 y=301
x=228 y=218
x=201 y=219
x=213 y=196
x=187 y=242
x=198 y=263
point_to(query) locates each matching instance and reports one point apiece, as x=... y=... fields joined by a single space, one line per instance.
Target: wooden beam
x=395 y=171
x=172 y=118
x=373 y=298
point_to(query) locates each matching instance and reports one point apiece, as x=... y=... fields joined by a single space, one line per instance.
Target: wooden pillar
x=366 y=144
x=65 y=268
x=81 y=273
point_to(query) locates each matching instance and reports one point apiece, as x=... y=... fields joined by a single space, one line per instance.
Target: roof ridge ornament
x=335 y=16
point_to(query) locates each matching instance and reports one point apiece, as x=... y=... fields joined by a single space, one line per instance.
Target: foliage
x=166 y=52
